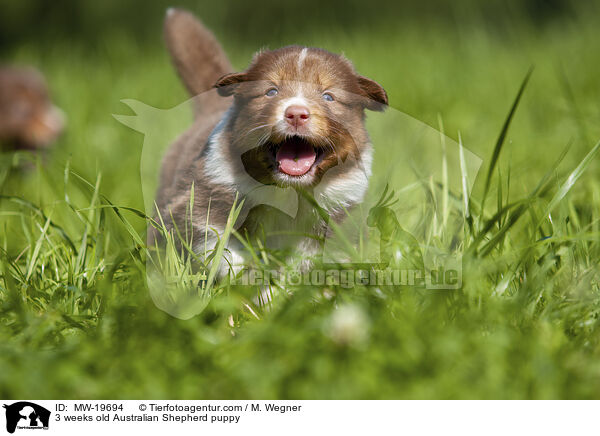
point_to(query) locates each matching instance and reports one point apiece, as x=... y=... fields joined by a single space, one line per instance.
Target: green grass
x=76 y=318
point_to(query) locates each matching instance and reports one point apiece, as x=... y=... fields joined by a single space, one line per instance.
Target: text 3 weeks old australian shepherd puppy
x=293 y=119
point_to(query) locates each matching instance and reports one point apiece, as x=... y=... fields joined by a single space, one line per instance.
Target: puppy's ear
x=377 y=99
x=227 y=84
x=198 y=57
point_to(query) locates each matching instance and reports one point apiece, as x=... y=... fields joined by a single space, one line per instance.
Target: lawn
x=76 y=318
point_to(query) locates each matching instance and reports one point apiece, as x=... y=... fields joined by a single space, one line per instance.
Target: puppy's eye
x=328 y=97
x=272 y=92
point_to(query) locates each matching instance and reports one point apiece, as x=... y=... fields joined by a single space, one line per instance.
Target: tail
x=196 y=53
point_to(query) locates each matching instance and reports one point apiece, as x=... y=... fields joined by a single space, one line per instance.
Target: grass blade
x=502 y=137
x=564 y=189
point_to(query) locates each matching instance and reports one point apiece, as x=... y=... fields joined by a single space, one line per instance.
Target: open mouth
x=296 y=156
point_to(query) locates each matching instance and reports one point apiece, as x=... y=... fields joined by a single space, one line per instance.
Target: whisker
x=244 y=135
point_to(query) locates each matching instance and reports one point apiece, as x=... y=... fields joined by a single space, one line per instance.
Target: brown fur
x=252 y=129
x=196 y=54
x=27 y=117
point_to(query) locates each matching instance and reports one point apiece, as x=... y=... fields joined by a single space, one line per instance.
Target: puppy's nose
x=297 y=115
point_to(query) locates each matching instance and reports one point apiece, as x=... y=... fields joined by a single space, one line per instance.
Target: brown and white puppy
x=28 y=119
x=293 y=120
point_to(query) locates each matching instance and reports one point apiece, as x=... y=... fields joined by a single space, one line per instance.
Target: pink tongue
x=295 y=157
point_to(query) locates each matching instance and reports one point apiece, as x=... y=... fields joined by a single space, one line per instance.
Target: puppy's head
x=297 y=113
x=28 y=119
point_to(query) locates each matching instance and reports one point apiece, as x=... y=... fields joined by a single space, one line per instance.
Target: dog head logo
x=26 y=415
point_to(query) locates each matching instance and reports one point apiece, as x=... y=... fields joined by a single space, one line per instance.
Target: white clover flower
x=348 y=325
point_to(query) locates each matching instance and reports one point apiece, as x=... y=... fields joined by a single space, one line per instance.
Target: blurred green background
x=461 y=61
